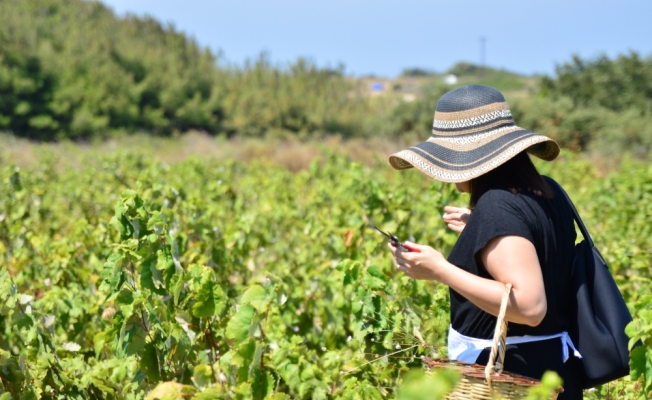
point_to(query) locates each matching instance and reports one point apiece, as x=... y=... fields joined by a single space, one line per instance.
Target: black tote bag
x=601 y=315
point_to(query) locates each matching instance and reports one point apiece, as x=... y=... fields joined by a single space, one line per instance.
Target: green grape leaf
x=98 y=342
x=202 y=376
x=210 y=393
x=125 y=297
x=7 y=285
x=244 y=358
x=157 y=224
x=133 y=335
x=104 y=388
x=351 y=272
x=112 y=273
x=171 y=391
x=374 y=271
x=209 y=296
x=402 y=215
x=165 y=264
x=263 y=384
x=290 y=374
x=256 y=296
x=164 y=260
x=183 y=321
x=178 y=287
x=390 y=226
x=10 y=370
x=373 y=282
x=278 y=396
x=150 y=277
x=637 y=362
x=24 y=321
x=149 y=363
x=417 y=385
x=240 y=324
x=388 y=341
x=550 y=382
x=258 y=356
x=316 y=389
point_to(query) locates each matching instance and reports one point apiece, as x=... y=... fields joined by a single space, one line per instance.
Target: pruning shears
x=394 y=240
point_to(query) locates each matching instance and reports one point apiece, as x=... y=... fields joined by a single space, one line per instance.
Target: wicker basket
x=488 y=382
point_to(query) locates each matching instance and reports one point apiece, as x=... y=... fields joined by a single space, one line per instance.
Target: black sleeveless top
x=548 y=224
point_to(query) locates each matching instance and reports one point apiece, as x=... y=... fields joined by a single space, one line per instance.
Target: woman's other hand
x=456 y=217
x=423 y=262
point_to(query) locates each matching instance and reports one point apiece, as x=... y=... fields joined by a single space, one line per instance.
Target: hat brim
x=462 y=158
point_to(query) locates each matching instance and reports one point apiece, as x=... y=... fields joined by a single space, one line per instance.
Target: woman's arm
x=508 y=259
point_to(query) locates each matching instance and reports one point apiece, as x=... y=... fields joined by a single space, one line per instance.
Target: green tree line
x=74 y=70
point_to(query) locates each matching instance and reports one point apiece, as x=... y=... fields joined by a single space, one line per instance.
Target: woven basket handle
x=498 y=347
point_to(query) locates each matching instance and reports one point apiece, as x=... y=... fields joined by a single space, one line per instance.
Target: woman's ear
x=463 y=187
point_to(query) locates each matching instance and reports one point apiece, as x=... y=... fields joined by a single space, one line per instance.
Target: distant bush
x=501 y=79
x=573 y=129
x=302 y=99
x=602 y=105
x=415 y=72
x=619 y=84
x=465 y=69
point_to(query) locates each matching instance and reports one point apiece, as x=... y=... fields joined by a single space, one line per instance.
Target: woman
x=518 y=230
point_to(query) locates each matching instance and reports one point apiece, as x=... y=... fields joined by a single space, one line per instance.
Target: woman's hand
x=508 y=259
x=456 y=217
x=422 y=263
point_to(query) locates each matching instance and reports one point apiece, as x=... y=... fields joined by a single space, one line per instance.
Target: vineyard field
x=128 y=278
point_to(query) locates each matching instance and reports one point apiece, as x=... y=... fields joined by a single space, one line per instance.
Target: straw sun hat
x=473 y=133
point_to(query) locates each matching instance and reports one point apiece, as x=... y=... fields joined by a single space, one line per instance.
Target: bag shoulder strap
x=576 y=215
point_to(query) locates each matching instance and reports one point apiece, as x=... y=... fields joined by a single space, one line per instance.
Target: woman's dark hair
x=517 y=174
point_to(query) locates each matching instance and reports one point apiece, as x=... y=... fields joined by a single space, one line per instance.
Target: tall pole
x=483 y=40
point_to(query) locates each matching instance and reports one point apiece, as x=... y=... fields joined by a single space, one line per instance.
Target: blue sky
x=383 y=37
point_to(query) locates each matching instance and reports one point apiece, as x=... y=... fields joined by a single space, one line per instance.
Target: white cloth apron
x=467 y=349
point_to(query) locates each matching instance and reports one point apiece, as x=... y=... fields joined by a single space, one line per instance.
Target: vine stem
x=132 y=271
x=143 y=323
x=20 y=307
x=211 y=344
x=383 y=356
x=7 y=385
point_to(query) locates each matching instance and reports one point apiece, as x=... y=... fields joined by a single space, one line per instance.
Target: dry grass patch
x=294 y=154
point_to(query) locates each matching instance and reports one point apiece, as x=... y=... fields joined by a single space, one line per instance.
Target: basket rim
x=478 y=371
